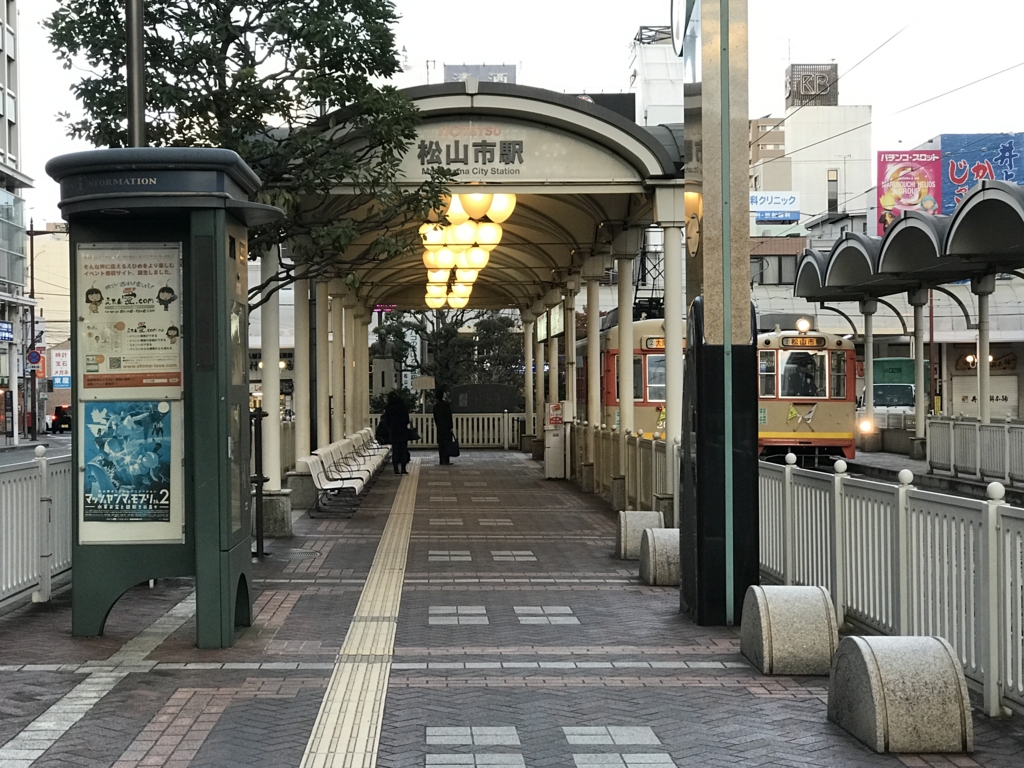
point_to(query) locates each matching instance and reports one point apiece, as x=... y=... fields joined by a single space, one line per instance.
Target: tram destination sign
x=803 y=341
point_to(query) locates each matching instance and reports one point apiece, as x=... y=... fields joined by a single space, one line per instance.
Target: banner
x=968 y=158
x=908 y=181
x=127 y=456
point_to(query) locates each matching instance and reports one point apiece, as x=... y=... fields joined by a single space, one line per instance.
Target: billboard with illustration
x=908 y=181
x=968 y=158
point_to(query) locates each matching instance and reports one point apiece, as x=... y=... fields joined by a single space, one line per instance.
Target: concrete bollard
x=618 y=492
x=538 y=449
x=789 y=630
x=631 y=529
x=901 y=694
x=587 y=477
x=665 y=503
x=659 y=557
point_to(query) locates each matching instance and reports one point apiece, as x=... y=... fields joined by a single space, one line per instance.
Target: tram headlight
x=866 y=426
x=803 y=325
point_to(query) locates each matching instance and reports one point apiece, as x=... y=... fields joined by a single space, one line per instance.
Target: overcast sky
x=583 y=45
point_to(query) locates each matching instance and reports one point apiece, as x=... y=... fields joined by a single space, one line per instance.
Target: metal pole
x=34 y=400
x=625 y=291
x=528 y=372
x=932 y=358
x=984 y=408
x=324 y=377
x=136 y=75
x=258 y=478
x=593 y=358
x=673 y=334
x=920 y=396
x=270 y=346
x=301 y=374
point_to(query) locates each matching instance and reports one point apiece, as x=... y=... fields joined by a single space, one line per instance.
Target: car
x=61 y=420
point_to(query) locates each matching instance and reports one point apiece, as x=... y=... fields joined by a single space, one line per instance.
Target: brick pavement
x=548 y=652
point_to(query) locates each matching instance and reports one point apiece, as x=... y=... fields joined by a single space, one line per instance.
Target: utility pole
x=136 y=74
x=34 y=401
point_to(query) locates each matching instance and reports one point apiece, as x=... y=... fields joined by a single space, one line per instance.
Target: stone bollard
x=659 y=557
x=631 y=529
x=789 y=630
x=618 y=492
x=538 y=449
x=665 y=503
x=587 y=477
x=300 y=483
x=901 y=694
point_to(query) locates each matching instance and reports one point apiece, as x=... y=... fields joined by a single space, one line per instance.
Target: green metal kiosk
x=159 y=256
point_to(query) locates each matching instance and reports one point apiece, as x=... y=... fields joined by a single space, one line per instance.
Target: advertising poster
x=127 y=456
x=129 y=319
x=968 y=158
x=908 y=181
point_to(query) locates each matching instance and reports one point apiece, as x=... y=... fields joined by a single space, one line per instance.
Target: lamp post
x=33 y=403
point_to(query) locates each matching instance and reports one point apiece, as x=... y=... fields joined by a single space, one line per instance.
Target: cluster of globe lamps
x=463 y=247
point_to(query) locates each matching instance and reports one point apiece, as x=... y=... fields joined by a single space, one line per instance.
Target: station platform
x=466 y=615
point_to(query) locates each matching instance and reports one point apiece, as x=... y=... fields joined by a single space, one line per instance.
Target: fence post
x=952 y=447
x=1006 y=451
x=928 y=442
x=977 y=451
x=839 y=542
x=787 y=520
x=45 y=522
x=906 y=477
x=990 y=601
x=504 y=431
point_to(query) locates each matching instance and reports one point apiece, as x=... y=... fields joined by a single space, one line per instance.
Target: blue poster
x=968 y=158
x=127 y=452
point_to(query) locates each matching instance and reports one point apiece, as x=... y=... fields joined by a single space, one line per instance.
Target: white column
x=337 y=368
x=868 y=308
x=552 y=367
x=918 y=299
x=323 y=366
x=270 y=351
x=570 y=350
x=300 y=376
x=364 y=370
x=351 y=356
x=625 y=269
x=674 y=311
x=528 y=369
x=13 y=353
x=538 y=355
x=593 y=357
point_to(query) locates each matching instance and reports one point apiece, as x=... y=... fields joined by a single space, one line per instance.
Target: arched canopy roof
x=810 y=274
x=581 y=173
x=987 y=228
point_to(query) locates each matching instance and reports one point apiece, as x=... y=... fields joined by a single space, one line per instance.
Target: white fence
x=648 y=470
x=904 y=561
x=473 y=430
x=968 y=448
x=35 y=527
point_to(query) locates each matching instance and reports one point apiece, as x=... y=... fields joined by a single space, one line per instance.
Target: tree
x=288 y=84
x=499 y=350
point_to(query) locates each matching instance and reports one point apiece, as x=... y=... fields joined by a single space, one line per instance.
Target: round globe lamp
x=467 y=276
x=432 y=236
x=501 y=208
x=430 y=259
x=457 y=302
x=438 y=275
x=461 y=237
x=476 y=204
x=435 y=302
x=474 y=258
x=444 y=259
x=455 y=213
x=488 y=235
x=437 y=289
x=462 y=290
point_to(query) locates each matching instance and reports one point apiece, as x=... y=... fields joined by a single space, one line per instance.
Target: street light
x=34 y=404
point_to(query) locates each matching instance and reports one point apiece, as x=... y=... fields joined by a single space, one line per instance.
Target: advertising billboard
x=968 y=158
x=908 y=181
x=775 y=207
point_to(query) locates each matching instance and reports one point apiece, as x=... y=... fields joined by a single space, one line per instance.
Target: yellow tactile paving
x=347 y=728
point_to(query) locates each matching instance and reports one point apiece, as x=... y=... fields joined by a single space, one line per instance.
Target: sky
x=583 y=46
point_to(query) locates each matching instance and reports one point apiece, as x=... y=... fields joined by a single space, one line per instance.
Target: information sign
x=129 y=320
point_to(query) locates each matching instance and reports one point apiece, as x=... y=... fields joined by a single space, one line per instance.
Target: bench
x=343 y=472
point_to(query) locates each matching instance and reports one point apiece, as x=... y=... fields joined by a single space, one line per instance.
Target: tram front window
x=655 y=378
x=804 y=374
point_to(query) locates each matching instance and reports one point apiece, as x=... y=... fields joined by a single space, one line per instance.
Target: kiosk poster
x=127 y=455
x=129 y=318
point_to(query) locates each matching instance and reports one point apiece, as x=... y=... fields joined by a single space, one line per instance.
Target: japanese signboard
x=970 y=158
x=908 y=181
x=775 y=207
x=129 y=320
x=499 y=151
x=60 y=362
x=6 y=331
x=131 y=476
x=554 y=414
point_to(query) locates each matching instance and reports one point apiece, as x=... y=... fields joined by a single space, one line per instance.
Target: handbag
x=382 y=434
x=453 y=446
x=414 y=435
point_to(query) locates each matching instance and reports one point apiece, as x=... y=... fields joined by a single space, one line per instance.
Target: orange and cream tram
x=806 y=399
x=648 y=376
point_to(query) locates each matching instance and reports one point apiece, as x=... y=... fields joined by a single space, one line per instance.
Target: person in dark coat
x=396 y=421
x=443 y=422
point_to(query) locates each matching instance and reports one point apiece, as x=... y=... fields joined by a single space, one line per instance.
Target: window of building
x=773 y=270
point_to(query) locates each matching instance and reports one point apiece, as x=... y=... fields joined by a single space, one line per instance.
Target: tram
x=648 y=376
x=806 y=393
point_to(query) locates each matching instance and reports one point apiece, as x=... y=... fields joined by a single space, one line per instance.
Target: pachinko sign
x=908 y=181
x=974 y=157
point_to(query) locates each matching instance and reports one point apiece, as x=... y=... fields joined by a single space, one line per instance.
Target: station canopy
x=580 y=173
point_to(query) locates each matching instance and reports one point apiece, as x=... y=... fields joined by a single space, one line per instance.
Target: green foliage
x=499 y=350
x=411 y=399
x=291 y=85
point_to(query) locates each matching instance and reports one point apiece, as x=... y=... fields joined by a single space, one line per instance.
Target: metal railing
x=35 y=527
x=473 y=430
x=966 y=447
x=899 y=560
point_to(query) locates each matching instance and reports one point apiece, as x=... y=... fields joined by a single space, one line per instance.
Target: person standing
x=396 y=425
x=444 y=424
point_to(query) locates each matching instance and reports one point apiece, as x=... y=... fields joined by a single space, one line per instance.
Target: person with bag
x=444 y=424
x=394 y=426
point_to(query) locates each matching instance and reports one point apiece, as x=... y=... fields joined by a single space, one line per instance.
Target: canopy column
x=674 y=311
x=350 y=353
x=270 y=347
x=300 y=394
x=551 y=301
x=324 y=378
x=593 y=359
x=624 y=266
x=528 y=367
x=337 y=364
x=538 y=356
x=983 y=287
x=868 y=307
x=917 y=300
x=364 y=368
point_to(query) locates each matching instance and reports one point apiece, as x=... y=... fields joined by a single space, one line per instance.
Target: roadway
x=56 y=446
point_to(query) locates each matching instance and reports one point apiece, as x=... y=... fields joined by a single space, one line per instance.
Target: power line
x=960 y=88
